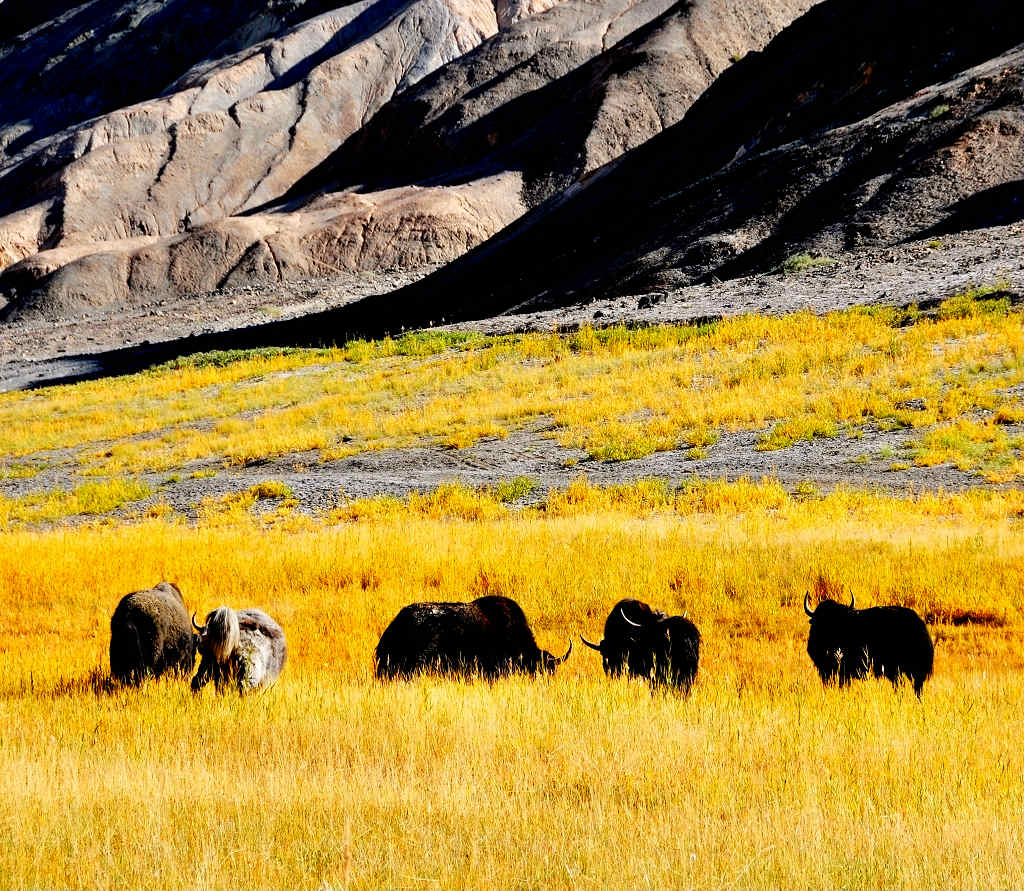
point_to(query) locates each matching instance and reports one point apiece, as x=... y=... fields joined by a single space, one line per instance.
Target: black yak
x=489 y=637
x=150 y=635
x=647 y=643
x=246 y=648
x=889 y=641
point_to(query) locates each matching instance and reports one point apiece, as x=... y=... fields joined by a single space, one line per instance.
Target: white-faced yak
x=642 y=642
x=889 y=641
x=244 y=648
x=150 y=635
x=488 y=637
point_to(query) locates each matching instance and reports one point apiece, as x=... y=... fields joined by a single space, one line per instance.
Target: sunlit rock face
x=281 y=141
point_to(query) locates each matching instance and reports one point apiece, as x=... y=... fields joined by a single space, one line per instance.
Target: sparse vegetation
x=21 y=470
x=510 y=491
x=224 y=358
x=237 y=504
x=804 y=262
x=615 y=393
x=981 y=301
x=87 y=499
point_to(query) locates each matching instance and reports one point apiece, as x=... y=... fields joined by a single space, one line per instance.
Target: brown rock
x=229 y=136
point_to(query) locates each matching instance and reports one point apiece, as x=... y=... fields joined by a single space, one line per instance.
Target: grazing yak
x=150 y=635
x=889 y=641
x=246 y=648
x=489 y=637
x=646 y=643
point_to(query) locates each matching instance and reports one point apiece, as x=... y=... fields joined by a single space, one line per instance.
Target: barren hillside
x=321 y=173
x=859 y=129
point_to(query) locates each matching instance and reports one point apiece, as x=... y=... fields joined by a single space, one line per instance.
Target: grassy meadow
x=761 y=778
x=951 y=378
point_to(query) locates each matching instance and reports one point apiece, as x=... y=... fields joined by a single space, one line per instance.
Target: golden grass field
x=760 y=779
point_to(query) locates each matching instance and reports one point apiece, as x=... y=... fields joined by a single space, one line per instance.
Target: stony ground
x=913 y=272
x=870 y=459
x=866 y=461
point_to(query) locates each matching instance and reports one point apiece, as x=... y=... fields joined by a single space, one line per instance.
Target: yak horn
x=628 y=619
x=807 y=600
x=851 y=600
x=199 y=628
x=562 y=659
x=592 y=646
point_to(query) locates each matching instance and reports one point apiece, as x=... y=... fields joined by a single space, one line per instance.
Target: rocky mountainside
x=219 y=137
x=376 y=135
x=862 y=126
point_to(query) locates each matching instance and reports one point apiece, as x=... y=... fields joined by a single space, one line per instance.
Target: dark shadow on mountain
x=91 y=79
x=838 y=64
x=830 y=204
x=999 y=206
x=19 y=16
x=370 y=21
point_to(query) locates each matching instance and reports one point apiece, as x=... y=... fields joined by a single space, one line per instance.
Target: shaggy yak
x=150 y=635
x=889 y=641
x=489 y=637
x=646 y=643
x=246 y=648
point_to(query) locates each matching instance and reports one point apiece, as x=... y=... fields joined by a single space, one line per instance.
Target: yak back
x=150 y=634
x=898 y=637
x=255 y=621
x=488 y=636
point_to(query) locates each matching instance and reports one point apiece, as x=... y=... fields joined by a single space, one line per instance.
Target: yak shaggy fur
x=845 y=643
x=489 y=637
x=643 y=642
x=246 y=648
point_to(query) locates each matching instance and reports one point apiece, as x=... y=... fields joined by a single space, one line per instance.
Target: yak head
x=548 y=663
x=828 y=611
x=829 y=641
x=219 y=636
x=640 y=645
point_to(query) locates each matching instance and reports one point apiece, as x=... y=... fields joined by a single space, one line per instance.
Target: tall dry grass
x=760 y=779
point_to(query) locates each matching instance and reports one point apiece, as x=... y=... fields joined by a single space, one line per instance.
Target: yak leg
x=202 y=677
x=222 y=676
